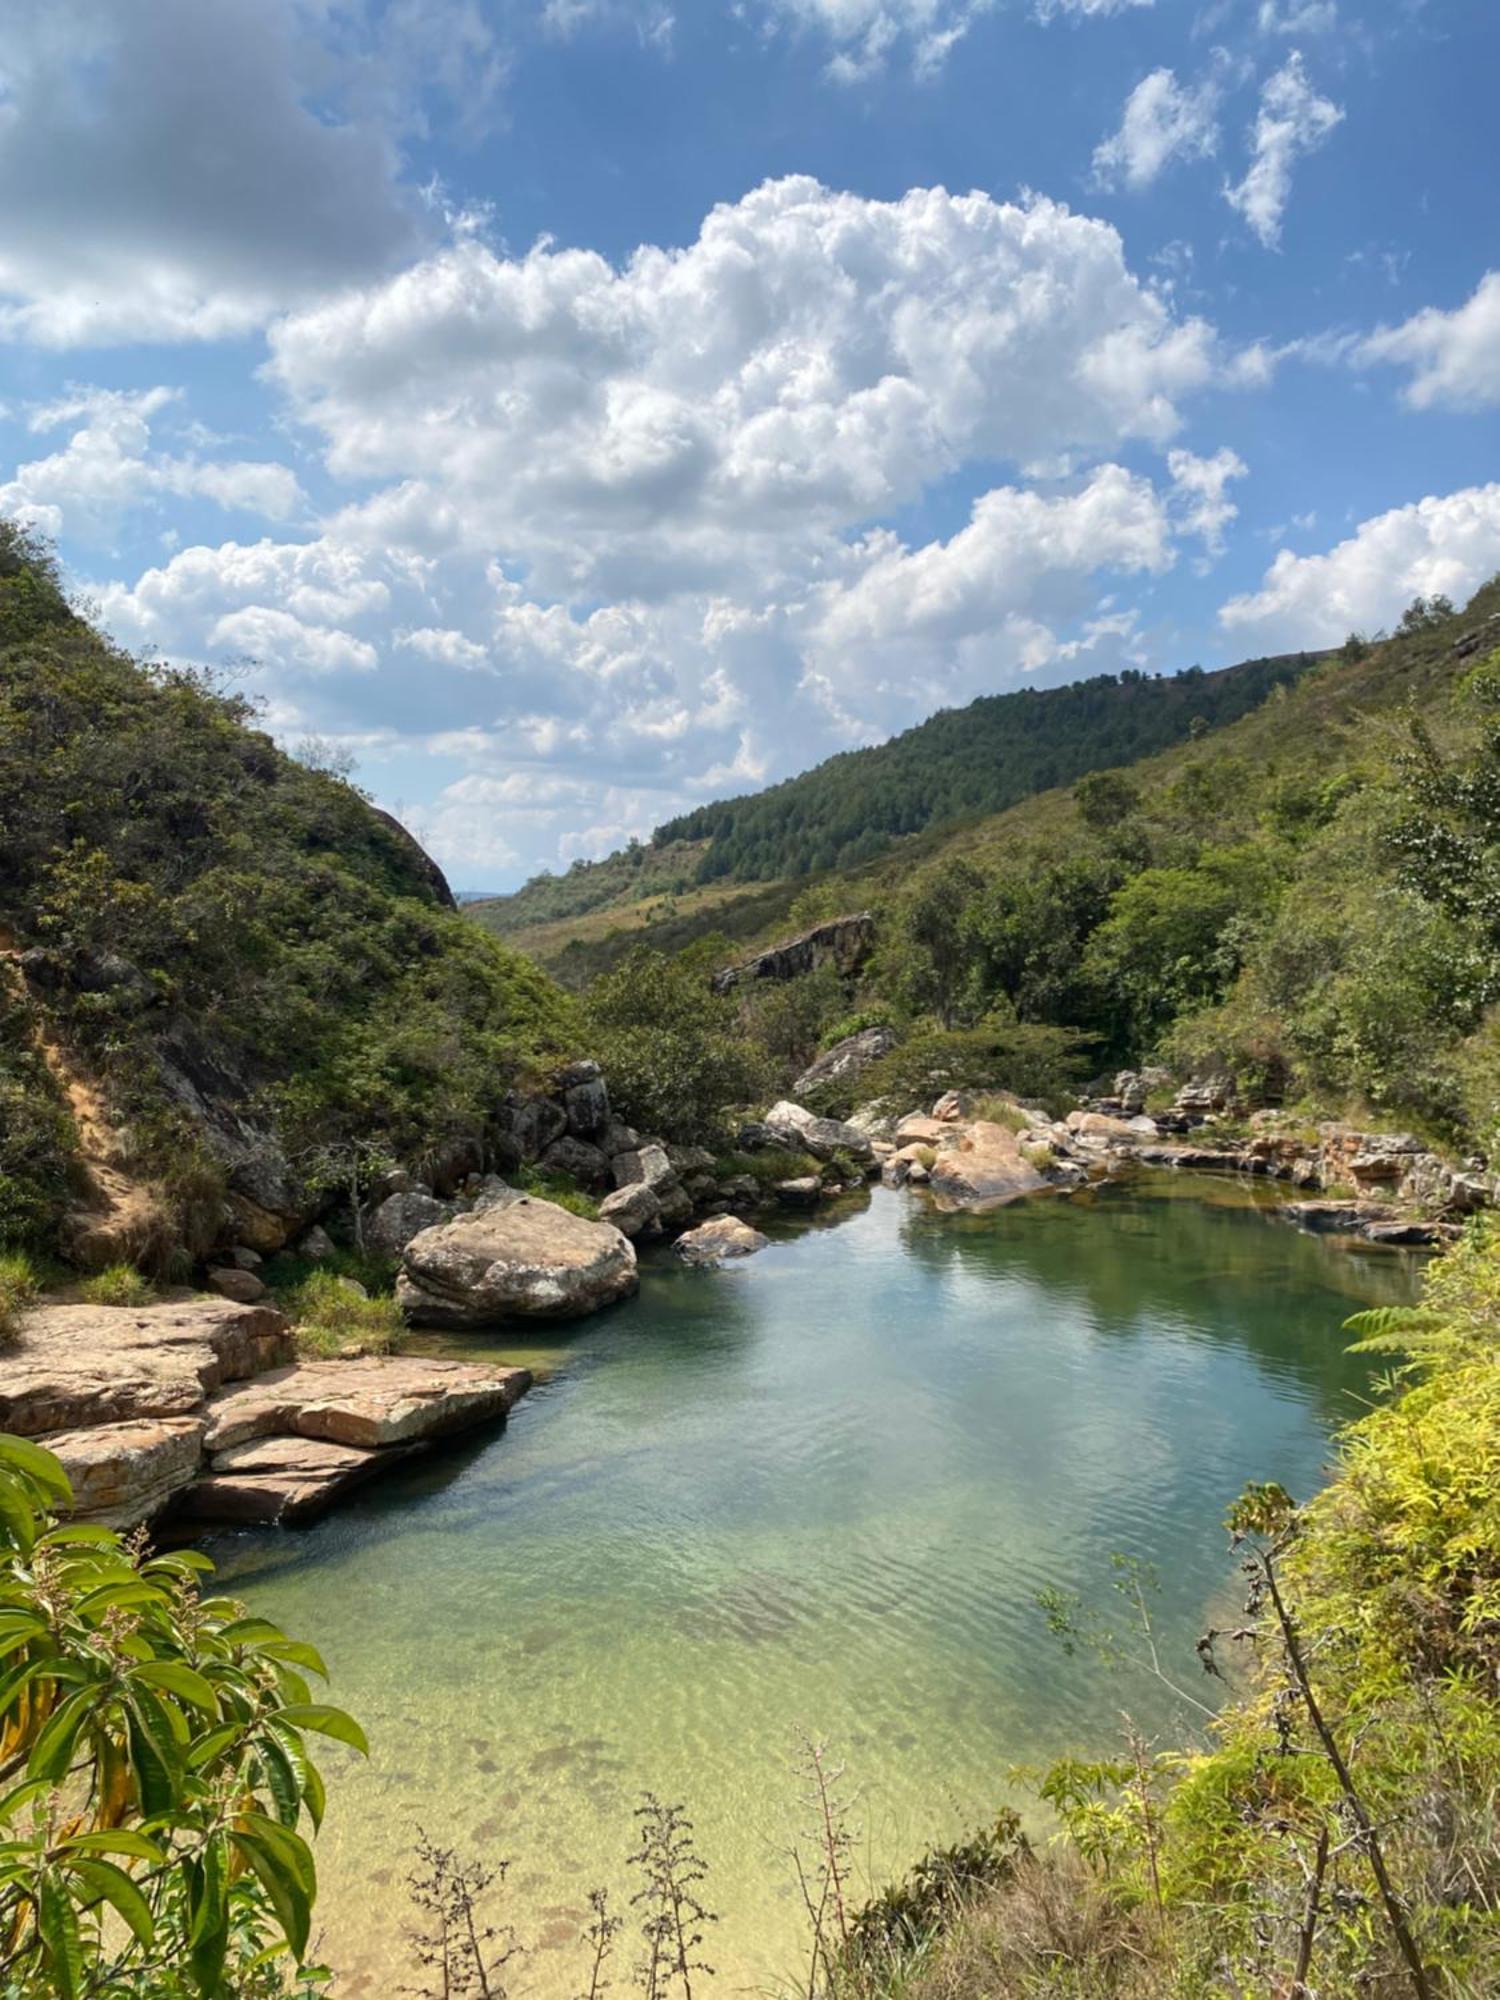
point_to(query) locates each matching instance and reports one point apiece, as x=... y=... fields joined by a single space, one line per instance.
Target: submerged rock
x=521 y=1259
x=724 y=1236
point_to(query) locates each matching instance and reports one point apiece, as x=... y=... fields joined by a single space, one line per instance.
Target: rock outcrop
x=801 y=1130
x=123 y=1474
x=846 y=1059
x=843 y=942
x=520 y=1258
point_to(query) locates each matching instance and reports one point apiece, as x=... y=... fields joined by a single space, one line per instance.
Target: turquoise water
x=816 y=1491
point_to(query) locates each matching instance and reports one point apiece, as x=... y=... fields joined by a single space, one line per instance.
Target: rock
x=919 y=1130
x=585 y=1099
x=232 y=1283
x=280 y=1480
x=952 y=1106
x=688 y=1160
x=877 y=1120
x=984 y=1170
x=579 y=1160
x=416 y=859
x=531 y=1123
x=1408 y=1234
x=261 y=1228
x=1375 y=1166
x=806 y=1191
x=450 y=1164
x=908 y=1163
x=755 y=1137
x=372 y=1403
x=847 y=1059
x=90 y=1365
x=124 y=1474
x=648 y=1164
x=526 y=1259
x=792 y=1126
x=1093 y=1127
x=843 y=942
x=402 y=1216
x=632 y=1209
x=1206 y=1094
x=244 y=1258
x=1335 y=1217
x=316 y=1244
x=618 y=1137
x=711 y=1242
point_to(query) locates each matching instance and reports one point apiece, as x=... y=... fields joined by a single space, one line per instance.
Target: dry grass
x=19 y=1286
x=1048 y=1933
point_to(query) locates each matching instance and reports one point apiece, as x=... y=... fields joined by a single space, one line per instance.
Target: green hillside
x=959 y=764
x=223 y=974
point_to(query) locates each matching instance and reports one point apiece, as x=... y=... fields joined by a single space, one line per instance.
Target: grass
x=560 y=1189
x=333 y=1316
x=776 y=1163
x=19 y=1288
x=117 y=1285
x=1002 y=1110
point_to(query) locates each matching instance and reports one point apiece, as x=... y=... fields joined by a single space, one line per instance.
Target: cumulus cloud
x=108 y=465
x=1454 y=357
x=1448 y=544
x=810 y=361
x=1202 y=506
x=1293 y=121
x=168 y=176
x=1163 y=121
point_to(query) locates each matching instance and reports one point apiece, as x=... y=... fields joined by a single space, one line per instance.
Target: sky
x=575 y=410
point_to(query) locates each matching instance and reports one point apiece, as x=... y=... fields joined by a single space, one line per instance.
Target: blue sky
x=576 y=409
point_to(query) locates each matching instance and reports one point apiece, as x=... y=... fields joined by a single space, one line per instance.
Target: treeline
x=964 y=763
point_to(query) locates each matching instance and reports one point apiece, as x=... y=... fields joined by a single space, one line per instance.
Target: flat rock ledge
x=197 y=1407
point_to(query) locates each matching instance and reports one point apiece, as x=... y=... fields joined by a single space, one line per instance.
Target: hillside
x=224 y=978
x=959 y=764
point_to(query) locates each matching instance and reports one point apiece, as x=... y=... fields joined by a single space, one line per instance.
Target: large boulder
x=91 y=1365
x=793 y=1126
x=585 y=1099
x=521 y=1259
x=631 y=1209
x=724 y=1236
x=984 y=1170
x=276 y=1481
x=842 y=942
x=125 y=1474
x=579 y=1161
x=846 y=1059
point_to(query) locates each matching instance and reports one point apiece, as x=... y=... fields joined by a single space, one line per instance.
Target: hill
x=958 y=765
x=227 y=980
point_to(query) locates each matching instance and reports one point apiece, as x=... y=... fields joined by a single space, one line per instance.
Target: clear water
x=816 y=1491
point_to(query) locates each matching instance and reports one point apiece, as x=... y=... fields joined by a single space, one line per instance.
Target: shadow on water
x=818 y=1489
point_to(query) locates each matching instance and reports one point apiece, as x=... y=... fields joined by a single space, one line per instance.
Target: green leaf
x=298 y=1653
x=174 y=1677
x=154 y=1767
x=16 y=1516
x=116 y=1840
x=288 y=1898
x=112 y=1885
x=213 y=1745
x=313 y=1795
x=281 y=1779
x=208 y=1899
x=17 y=1801
x=121 y=1597
x=57 y=1922
x=52 y=1752
x=37 y=1464
x=327 y=1722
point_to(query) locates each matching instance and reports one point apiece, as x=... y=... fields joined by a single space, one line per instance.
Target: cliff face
x=843 y=942
x=229 y=986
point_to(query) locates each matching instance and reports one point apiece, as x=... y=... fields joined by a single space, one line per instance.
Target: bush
x=19 y=1287
x=175 y=1728
x=670 y=1047
x=117 y=1285
x=332 y=1314
x=560 y=1189
x=1033 y=1062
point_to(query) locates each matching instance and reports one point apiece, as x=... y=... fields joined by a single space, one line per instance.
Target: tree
x=669 y=1046
x=932 y=945
x=153 y=1766
x=1104 y=798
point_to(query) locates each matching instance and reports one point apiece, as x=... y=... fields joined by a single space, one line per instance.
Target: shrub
x=19 y=1286
x=117 y=1285
x=156 y=1766
x=333 y=1314
x=670 y=1048
x=1027 y=1060
x=560 y=1189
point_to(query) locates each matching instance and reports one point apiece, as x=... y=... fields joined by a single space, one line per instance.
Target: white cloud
x=264 y=631
x=1048 y=10
x=108 y=466
x=1454 y=357
x=1162 y=121
x=172 y=171
x=1202 y=504
x=1297 y=17
x=1448 y=544
x=1293 y=121
x=866 y=33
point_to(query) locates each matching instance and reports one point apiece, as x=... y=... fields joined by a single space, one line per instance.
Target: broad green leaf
x=52 y=1752
x=116 y=1840
x=287 y=1896
x=36 y=1463
x=209 y=1902
x=327 y=1722
x=174 y=1677
x=155 y=1775
x=107 y=1883
x=58 y=1925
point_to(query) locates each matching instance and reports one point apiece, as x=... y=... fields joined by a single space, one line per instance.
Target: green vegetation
x=116 y=1285
x=209 y=923
x=560 y=1189
x=155 y=1767
x=1336 y=1837
x=671 y=1048
x=333 y=1315
x=19 y=1287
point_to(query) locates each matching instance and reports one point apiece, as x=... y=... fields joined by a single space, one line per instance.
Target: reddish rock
x=124 y=1474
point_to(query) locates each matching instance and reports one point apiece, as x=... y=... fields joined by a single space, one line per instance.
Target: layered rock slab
x=369 y=1404
x=515 y=1259
x=126 y=1473
x=280 y=1480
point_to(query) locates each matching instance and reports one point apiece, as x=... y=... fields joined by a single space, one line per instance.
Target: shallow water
x=817 y=1491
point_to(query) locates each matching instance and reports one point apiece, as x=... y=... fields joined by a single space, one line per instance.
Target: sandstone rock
x=754 y=1137
x=244 y=1258
x=1094 y=1127
x=985 y=1170
x=919 y=1130
x=450 y=1164
x=1335 y=1217
x=618 y=1137
x=524 y=1259
x=123 y=1474
x=711 y=1242
x=631 y=1209
x=90 y=1365
x=952 y=1106
x=261 y=1228
x=402 y=1216
x=579 y=1160
x=1408 y=1233
x=847 y=1059
x=532 y=1123
x=230 y=1282
x=648 y=1164
x=371 y=1403
x=805 y=1191
x=877 y=1120
x=283 y=1479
